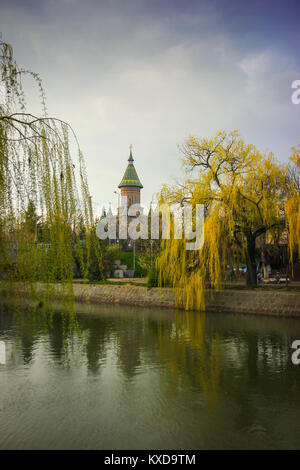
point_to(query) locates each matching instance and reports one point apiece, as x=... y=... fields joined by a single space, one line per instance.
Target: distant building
x=130 y=185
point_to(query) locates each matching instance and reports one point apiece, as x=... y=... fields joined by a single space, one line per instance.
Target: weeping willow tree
x=44 y=195
x=292 y=205
x=246 y=196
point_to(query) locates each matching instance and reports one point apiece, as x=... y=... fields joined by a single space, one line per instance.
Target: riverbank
x=256 y=302
x=278 y=301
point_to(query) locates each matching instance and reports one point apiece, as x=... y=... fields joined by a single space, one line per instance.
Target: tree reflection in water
x=189 y=379
x=196 y=350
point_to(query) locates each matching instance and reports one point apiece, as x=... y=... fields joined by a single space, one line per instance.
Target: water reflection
x=188 y=380
x=191 y=356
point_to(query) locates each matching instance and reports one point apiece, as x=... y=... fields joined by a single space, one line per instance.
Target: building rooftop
x=130 y=177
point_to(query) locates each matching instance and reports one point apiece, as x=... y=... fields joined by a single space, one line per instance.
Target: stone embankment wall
x=257 y=302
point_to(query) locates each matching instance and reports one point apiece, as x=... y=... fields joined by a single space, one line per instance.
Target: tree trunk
x=251 y=264
x=263 y=259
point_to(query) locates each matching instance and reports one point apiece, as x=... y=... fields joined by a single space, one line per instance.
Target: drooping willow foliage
x=44 y=195
x=292 y=205
x=247 y=198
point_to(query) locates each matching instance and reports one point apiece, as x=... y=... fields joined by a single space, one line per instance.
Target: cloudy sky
x=152 y=72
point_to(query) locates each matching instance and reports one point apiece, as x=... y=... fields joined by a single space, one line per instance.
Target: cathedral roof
x=130 y=177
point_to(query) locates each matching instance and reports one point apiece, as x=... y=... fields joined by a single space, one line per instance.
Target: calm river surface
x=130 y=378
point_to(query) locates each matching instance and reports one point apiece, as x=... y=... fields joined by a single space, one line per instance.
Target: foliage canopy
x=246 y=196
x=44 y=196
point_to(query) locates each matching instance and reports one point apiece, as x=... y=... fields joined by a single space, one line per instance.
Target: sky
x=151 y=73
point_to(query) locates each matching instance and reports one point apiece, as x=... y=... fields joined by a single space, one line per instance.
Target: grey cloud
x=125 y=72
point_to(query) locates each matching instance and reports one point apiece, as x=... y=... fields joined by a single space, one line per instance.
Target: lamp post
x=132 y=244
x=117 y=192
x=133 y=257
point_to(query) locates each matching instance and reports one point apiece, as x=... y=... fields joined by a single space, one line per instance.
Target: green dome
x=130 y=177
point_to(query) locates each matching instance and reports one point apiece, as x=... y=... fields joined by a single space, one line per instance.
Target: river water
x=136 y=378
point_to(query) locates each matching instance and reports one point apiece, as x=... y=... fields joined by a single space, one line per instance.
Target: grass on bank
x=226 y=286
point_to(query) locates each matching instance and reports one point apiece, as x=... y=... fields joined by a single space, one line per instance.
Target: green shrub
x=110 y=255
x=152 y=280
x=142 y=262
x=142 y=265
x=126 y=257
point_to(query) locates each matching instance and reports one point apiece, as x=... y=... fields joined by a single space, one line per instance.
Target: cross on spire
x=130 y=159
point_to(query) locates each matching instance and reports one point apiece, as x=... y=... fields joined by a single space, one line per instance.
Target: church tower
x=130 y=185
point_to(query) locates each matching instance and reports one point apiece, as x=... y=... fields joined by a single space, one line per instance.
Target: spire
x=130 y=159
x=109 y=213
x=130 y=177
